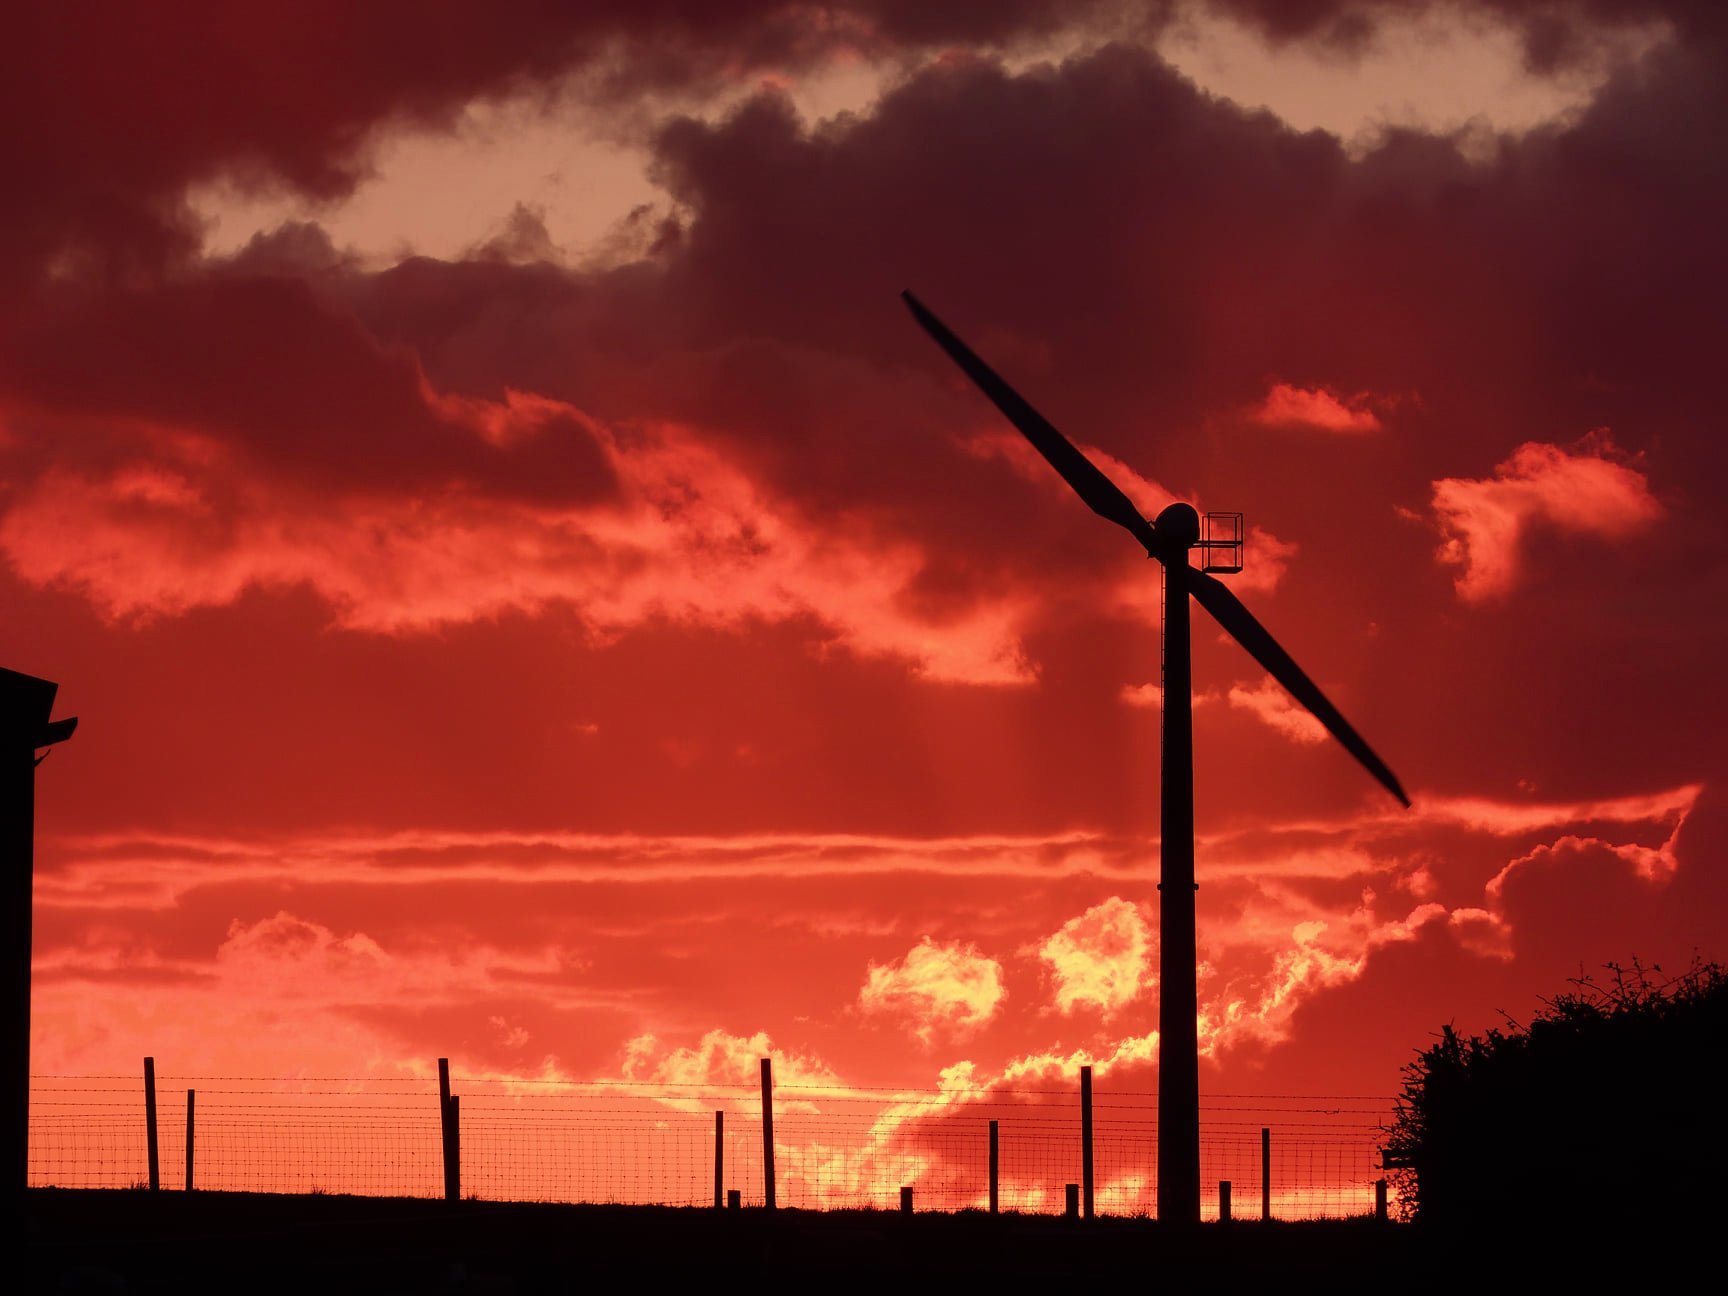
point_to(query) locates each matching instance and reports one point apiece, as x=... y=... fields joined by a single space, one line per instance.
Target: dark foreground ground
x=135 y=1241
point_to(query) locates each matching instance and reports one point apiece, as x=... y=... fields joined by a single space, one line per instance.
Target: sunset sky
x=533 y=596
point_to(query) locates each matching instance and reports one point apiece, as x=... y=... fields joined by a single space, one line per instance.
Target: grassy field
x=136 y=1241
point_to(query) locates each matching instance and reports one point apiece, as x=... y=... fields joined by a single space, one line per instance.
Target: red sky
x=608 y=639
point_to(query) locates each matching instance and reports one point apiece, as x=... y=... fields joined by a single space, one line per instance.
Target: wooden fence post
x=995 y=1167
x=734 y=1199
x=768 y=1133
x=1265 y=1173
x=150 y=1122
x=1380 y=1200
x=1073 y=1203
x=719 y=1158
x=191 y=1106
x=454 y=1189
x=447 y=1132
x=1086 y=1141
x=905 y=1199
x=1223 y=1201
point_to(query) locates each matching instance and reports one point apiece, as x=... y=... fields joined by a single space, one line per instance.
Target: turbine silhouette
x=1168 y=539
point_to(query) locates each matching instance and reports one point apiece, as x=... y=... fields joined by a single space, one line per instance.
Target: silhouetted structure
x=1612 y=1095
x=25 y=705
x=1169 y=539
x=450 y=1133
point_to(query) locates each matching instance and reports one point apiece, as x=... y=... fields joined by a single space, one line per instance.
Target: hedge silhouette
x=1606 y=1111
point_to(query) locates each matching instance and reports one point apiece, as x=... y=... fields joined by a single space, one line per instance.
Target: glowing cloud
x=1276 y=709
x=1501 y=818
x=231 y=1003
x=720 y=1059
x=1317 y=954
x=1150 y=696
x=947 y=988
x=1652 y=864
x=1317 y=407
x=1101 y=958
x=693 y=539
x=1586 y=489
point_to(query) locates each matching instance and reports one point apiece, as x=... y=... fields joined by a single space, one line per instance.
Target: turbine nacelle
x=1179 y=528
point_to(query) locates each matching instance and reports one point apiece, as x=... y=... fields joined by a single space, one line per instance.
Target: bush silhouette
x=1605 y=1111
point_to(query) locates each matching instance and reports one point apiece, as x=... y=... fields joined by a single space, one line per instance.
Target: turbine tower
x=1168 y=539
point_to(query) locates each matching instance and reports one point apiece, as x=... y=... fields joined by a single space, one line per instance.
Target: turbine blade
x=1217 y=598
x=1101 y=494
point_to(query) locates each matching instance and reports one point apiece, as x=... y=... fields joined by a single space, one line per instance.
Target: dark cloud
x=1556 y=37
x=294 y=383
x=112 y=111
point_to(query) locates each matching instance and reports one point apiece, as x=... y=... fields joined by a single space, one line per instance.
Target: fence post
x=1073 y=1205
x=455 y=1147
x=447 y=1132
x=1223 y=1201
x=734 y=1199
x=1380 y=1200
x=191 y=1106
x=719 y=1158
x=906 y=1199
x=1086 y=1141
x=768 y=1133
x=1265 y=1172
x=150 y=1122
x=995 y=1167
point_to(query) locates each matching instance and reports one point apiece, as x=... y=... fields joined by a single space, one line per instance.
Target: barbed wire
x=751 y=1085
x=538 y=1139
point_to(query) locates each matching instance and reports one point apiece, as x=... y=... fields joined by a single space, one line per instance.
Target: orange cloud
x=1316 y=407
x=249 y=1001
x=1654 y=864
x=1316 y=954
x=1588 y=489
x=692 y=539
x=1150 y=696
x=148 y=872
x=1504 y=818
x=938 y=988
x=1276 y=709
x=155 y=871
x=721 y=1060
x=583 y=941
x=1100 y=959
x=1267 y=702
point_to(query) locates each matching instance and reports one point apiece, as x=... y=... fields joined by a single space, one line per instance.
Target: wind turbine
x=1168 y=538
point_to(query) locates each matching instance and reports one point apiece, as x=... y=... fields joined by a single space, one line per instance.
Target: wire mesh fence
x=835 y=1147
